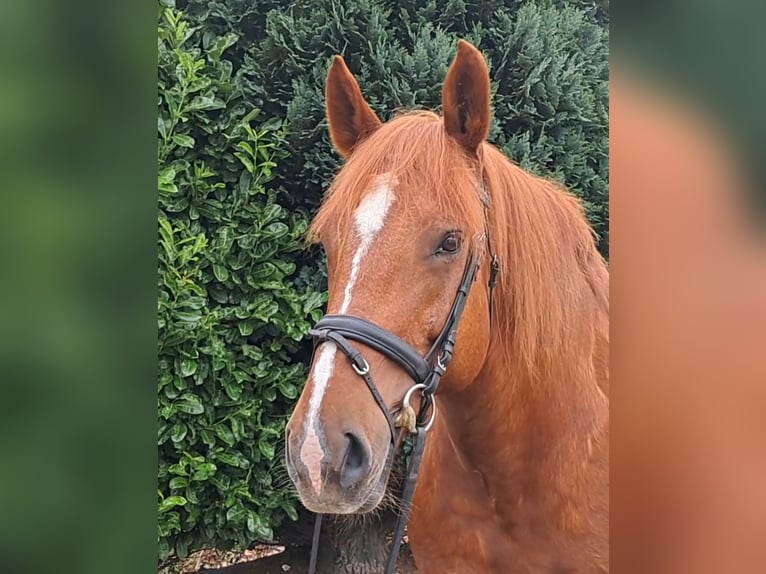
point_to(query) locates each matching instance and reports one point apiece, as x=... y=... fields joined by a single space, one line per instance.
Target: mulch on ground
x=262 y=559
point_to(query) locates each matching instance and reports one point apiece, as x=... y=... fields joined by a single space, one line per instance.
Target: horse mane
x=552 y=277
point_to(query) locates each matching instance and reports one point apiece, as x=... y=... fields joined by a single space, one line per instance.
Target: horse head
x=403 y=227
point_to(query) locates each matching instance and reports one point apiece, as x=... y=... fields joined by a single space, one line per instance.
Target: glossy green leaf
x=189 y=404
x=171 y=502
x=183 y=140
x=236 y=514
x=179 y=432
x=188 y=367
x=221 y=273
x=266 y=448
x=179 y=482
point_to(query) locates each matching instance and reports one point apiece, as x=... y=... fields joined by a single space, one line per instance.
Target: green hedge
x=230 y=320
x=244 y=158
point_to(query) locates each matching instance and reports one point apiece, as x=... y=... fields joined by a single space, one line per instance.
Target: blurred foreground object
x=688 y=295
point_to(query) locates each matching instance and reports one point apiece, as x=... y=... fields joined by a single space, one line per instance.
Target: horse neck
x=530 y=425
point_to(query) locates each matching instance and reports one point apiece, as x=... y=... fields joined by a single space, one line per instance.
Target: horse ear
x=350 y=117
x=466 y=98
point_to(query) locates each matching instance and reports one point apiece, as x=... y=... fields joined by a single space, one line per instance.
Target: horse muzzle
x=336 y=473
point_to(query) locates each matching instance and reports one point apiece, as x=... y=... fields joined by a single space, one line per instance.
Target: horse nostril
x=356 y=463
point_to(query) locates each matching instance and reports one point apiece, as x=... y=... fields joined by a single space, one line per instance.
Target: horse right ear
x=466 y=97
x=349 y=116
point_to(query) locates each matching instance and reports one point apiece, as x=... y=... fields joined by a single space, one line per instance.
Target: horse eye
x=450 y=244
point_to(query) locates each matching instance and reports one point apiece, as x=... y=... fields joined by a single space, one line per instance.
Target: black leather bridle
x=426 y=372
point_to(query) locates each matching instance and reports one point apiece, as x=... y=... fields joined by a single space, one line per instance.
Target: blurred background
x=688 y=287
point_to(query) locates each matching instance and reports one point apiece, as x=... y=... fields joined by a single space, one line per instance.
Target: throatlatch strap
x=494 y=269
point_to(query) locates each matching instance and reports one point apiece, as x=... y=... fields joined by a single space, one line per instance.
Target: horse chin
x=365 y=499
x=375 y=497
x=360 y=505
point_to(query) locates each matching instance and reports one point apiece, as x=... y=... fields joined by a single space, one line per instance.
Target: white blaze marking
x=312 y=452
x=368 y=219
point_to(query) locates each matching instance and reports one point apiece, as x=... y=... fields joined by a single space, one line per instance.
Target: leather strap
x=380 y=339
x=363 y=370
x=453 y=319
x=315 y=544
x=418 y=368
x=408 y=491
x=494 y=269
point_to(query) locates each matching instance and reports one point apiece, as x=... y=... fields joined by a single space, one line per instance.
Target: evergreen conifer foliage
x=550 y=68
x=548 y=63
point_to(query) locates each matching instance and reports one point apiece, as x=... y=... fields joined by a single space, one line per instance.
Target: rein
x=426 y=372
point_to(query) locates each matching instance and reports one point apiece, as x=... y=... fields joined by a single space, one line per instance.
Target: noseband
x=426 y=371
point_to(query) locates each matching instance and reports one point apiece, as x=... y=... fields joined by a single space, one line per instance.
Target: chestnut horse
x=515 y=472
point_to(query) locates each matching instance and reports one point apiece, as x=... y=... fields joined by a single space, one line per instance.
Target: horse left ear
x=466 y=97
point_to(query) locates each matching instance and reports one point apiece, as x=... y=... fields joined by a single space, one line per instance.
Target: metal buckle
x=364 y=370
x=433 y=414
x=494 y=271
x=408 y=396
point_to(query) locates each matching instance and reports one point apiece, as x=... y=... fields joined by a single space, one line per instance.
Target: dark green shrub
x=548 y=60
x=230 y=318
